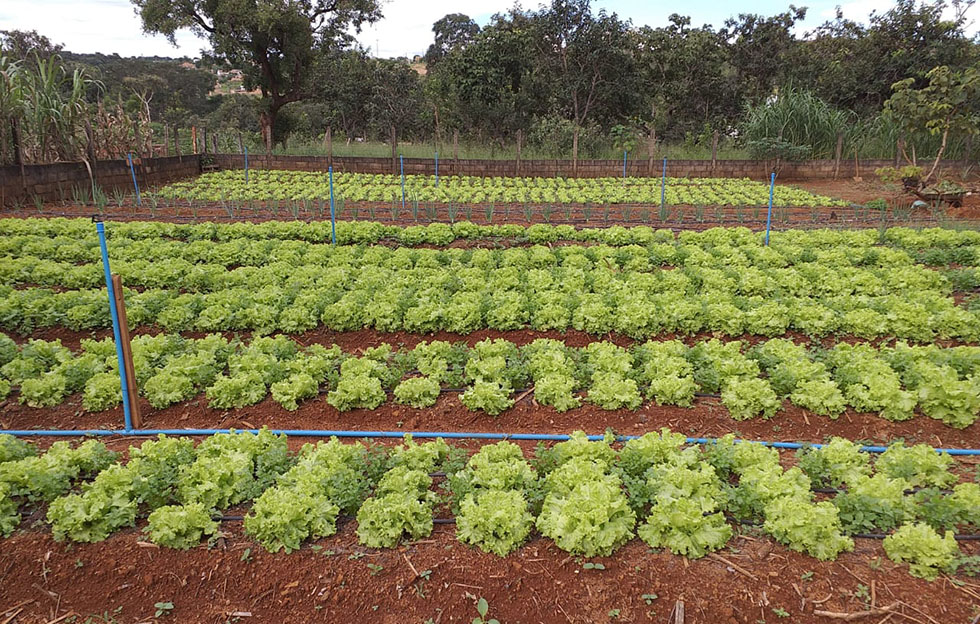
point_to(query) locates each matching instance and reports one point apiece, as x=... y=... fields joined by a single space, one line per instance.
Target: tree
x=687 y=79
x=452 y=31
x=949 y=103
x=588 y=58
x=276 y=43
x=854 y=66
x=487 y=87
x=763 y=50
x=24 y=44
x=395 y=98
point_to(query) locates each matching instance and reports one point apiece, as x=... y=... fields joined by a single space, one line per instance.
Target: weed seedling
x=482 y=607
x=163 y=608
x=780 y=612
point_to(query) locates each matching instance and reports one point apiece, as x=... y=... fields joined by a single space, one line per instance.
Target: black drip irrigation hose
x=669 y=223
x=877 y=536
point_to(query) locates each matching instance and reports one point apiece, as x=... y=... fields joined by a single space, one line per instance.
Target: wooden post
x=177 y=140
x=214 y=142
x=329 y=139
x=204 y=139
x=166 y=140
x=857 y=168
x=194 y=139
x=575 y=150
x=967 y=152
x=714 y=151
x=838 y=153
x=127 y=351
x=517 y=169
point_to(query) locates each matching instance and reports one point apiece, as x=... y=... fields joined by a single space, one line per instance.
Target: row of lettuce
x=425 y=307
x=588 y=497
x=262 y=185
x=595 y=289
x=210 y=266
x=247 y=252
x=752 y=381
x=919 y=241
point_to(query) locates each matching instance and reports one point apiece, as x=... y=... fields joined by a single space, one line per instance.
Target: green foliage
x=402 y=503
x=838 y=462
x=359 y=385
x=919 y=465
x=418 y=391
x=13 y=448
x=585 y=510
x=874 y=504
x=813 y=528
x=305 y=502
x=926 y=552
x=748 y=398
x=497 y=521
x=180 y=526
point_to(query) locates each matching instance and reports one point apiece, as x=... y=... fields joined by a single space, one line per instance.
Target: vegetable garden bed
x=870 y=335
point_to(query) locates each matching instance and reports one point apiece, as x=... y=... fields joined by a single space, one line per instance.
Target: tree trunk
x=967 y=152
x=838 y=152
x=520 y=136
x=714 y=151
x=193 y=139
x=241 y=145
x=394 y=149
x=177 y=140
x=266 y=119
x=939 y=155
x=455 y=145
x=575 y=150
x=651 y=147
x=900 y=151
x=166 y=140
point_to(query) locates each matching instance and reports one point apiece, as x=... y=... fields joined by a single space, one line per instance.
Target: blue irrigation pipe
x=246 y=165
x=663 y=186
x=333 y=221
x=437 y=169
x=772 y=187
x=449 y=435
x=132 y=171
x=127 y=416
x=401 y=163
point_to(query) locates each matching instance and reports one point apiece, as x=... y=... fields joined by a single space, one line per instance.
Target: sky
x=112 y=26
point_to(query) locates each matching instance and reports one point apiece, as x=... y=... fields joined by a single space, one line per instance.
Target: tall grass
x=801 y=118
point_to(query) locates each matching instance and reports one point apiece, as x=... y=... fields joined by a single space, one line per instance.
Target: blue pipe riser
x=449 y=435
x=117 y=336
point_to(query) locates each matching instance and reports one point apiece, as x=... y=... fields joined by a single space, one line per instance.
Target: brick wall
x=55 y=180
x=758 y=169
